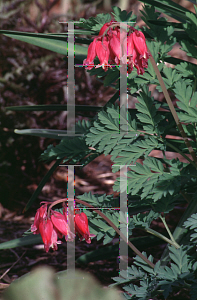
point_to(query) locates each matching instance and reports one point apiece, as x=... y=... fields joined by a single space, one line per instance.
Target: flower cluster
x=116 y=45
x=56 y=225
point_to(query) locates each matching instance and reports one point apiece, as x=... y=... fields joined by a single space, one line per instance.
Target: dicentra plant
x=154 y=186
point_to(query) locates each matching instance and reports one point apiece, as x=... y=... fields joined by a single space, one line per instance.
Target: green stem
x=169 y=232
x=110 y=223
x=183 y=154
x=171 y=106
x=180 y=231
x=161 y=236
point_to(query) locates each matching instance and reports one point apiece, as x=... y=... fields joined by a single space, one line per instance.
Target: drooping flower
x=44 y=226
x=40 y=215
x=81 y=227
x=60 y=223
x=116 y=46
x=89 y=61
x=52 y=225
x=54 y=239
x=48 y=234
x=140 y=43
x=102 y=51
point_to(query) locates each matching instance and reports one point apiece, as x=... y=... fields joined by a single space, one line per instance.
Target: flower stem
x=109 y=222
x=161 y=236
x=169 y=232
x=171 y=106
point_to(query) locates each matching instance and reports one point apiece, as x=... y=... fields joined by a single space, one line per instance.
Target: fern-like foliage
x=188 y=102
x=101 y=228
x=143 y=220
x=74 y=149
x=191 y=223
x=152 y=282
x=95 y=23
x=143 y=145
x=170 y=79
x=109 y=207
x=147 y=112
x=100 y=201
x=153 y=179
x=113 y=134
x=140 y=148
x=107 y=134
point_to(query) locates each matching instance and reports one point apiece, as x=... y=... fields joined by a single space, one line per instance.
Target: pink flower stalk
x=112 y=46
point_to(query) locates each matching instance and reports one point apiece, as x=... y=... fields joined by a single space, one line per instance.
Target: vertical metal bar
x=123 y=250
x=71 y=81
x=71 y=194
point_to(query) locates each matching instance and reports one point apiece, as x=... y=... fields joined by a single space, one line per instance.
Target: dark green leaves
x=122 y=16
x=107 y=133
x=169 y=7
x=147 y=111
x=162 y=279
x=95 y=23
x=152 y=179
x=192 y=224
x=71 y=148
x=143 y=220
x=138 y=148
x=188 y=102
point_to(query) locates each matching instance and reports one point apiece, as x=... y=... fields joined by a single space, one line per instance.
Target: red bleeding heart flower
x=115 y=45
x=81 y=227
x=48 y=234
x=102 y=51
x=40 y=215
x=89 y=61
x=60 y=223
x=53 y=225
x=140 y=43
x=44 y=226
